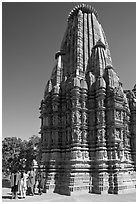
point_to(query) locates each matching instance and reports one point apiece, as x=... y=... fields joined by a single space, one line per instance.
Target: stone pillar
x=100 y=175
x=91 y=132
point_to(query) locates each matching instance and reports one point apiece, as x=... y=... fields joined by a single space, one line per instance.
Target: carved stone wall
x=88 y=122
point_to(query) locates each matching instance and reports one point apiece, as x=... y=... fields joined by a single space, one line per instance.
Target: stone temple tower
x=88 y=128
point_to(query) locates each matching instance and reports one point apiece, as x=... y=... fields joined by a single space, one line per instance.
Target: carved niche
x=118 y=115
x=83 y=103
x=101 y=135
x=100 y=116
x=117 y=133
x=84 y=135
x=84 y=117
x=76 y=117
x=76 y=134
x=79 y=154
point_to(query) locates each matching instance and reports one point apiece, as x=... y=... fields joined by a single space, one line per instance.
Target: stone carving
x=101 y=103
x=119 y=91
x=76 y=117
x=75 y=103
x=100 y=117
x=86 y=154
x=83 y=104
x=84 y=117
x=84 y=135
x=117 y=133
x=94 y=121
x=101 y=135
x=118 y=115
x=79 y=154
x=77 y=135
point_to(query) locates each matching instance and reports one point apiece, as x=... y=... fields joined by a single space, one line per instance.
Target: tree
x=20 y=154
x=11 y=148
x=32 y=150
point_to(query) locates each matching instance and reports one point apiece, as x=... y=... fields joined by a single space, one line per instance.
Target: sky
x=32 y=34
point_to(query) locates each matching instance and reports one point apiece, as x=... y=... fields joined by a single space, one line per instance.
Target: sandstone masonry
x=88 y=122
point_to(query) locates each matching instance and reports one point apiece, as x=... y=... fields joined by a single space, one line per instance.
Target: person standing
x=23 y=184
x=31 y=182
x=15 y=179
x=40 y=187
x=43 y=180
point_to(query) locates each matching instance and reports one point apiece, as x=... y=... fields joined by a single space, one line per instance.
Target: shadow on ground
x=7 y=197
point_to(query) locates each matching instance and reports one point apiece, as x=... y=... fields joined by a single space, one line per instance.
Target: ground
x=77 y=197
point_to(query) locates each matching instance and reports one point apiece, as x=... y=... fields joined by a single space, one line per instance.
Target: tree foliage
x=19 y=154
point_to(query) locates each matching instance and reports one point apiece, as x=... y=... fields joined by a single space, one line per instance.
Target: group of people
x=25 y=183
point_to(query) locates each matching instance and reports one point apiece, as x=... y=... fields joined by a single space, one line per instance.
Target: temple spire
x=100 y=59
x=88 y=127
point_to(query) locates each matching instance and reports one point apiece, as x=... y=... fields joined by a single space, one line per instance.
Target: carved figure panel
x=79 y=154
x=83 y=104
x=118 y=115
x=76 y=135
x=100 y=117
x=74 y=154
x=84 y=135
x=101 y=135
x=84 y=117
x=117 y=133
x=76 y=117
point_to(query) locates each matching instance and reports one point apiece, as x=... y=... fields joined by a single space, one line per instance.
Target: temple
x=88 y=122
